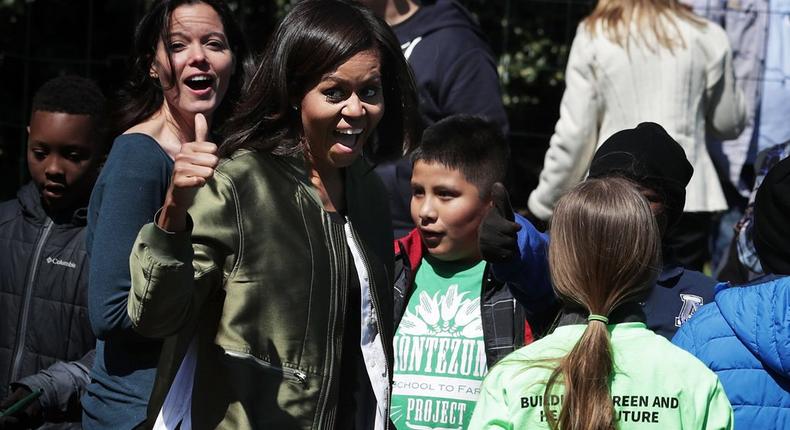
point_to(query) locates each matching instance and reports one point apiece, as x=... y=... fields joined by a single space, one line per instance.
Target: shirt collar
x=631 y=312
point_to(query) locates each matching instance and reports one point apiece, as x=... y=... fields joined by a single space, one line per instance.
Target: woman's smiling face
x=201 y=58
x=341 y=112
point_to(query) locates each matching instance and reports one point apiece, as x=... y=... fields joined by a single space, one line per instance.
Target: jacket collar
x=671 y=270
x=669 y=274
x=413 y=247
x=631 y=312
x=30 y=200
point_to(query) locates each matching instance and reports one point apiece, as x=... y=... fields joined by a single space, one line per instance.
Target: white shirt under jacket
x=609 y=88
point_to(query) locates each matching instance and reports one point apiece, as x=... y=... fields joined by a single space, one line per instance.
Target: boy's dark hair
x=73 y=95
x=473 y=145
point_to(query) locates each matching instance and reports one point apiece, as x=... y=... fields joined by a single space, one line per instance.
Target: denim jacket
x=747 y=23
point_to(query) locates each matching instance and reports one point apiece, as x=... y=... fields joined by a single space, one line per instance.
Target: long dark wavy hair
x=315 y=38
x=142 y=95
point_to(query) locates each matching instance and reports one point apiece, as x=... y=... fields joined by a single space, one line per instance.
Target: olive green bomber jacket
x=264 y=295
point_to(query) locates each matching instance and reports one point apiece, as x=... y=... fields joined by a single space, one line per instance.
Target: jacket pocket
x=291 y=375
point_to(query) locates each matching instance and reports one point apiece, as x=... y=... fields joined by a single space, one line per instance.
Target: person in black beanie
x=657 y=165
x=744 y=334
x=771 y=215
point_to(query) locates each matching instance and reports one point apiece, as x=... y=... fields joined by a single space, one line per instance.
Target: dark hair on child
x=71 y=94
x=315 y=38
x=473 y=145
x=74 y=95
x=605 y=252
x=142 y=95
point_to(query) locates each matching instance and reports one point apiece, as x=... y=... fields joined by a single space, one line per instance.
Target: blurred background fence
x=40 y=39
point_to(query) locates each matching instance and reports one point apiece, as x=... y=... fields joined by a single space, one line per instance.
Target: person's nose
x=197 y=54
x=427 y=211
x=353 y=107
x=54 y=166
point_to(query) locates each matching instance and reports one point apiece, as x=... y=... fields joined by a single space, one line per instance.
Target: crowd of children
x=168 y=282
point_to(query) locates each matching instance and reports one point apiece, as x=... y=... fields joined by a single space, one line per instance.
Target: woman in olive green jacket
x=277 y=284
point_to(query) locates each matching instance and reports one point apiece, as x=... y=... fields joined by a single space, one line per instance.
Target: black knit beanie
x=649 y=156
x=771 y=215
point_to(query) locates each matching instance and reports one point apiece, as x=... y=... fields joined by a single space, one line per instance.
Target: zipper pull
x=301 y=377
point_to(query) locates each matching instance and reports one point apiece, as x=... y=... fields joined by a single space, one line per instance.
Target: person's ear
x=28 y=130
x=152 y=72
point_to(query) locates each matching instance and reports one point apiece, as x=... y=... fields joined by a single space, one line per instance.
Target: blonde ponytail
x=604 y=252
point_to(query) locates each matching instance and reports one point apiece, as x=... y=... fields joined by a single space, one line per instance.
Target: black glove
x=498 y=232
x=28 y=418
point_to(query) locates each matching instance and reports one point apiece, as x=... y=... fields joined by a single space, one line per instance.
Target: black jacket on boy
x=43 y=302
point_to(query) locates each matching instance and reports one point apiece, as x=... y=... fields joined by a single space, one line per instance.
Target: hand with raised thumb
x=498 y=236
x=194 y=166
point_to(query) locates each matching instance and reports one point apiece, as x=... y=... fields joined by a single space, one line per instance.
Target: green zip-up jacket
x=260 y=281
x=655 y=384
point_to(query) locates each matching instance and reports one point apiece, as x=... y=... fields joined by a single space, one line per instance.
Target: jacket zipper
x=31 y=276
x=292 y=375
x=326 y=420
x=377 y=307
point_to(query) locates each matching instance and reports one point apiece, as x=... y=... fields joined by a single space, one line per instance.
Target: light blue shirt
x=775 y=104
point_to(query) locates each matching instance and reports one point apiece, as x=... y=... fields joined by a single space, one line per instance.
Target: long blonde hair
x=605 y=251
x=616 y=18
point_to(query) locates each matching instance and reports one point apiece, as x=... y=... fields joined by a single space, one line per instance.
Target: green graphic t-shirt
x=440 y=359
x=654 y=386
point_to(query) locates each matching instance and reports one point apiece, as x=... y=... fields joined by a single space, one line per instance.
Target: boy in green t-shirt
x=472 y=280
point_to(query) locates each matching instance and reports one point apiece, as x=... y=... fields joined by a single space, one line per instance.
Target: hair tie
x=601 y=318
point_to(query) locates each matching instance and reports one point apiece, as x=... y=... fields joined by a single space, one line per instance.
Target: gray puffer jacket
x=43 y=302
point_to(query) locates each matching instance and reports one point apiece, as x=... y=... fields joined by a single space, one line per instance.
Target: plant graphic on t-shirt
x=444 y=315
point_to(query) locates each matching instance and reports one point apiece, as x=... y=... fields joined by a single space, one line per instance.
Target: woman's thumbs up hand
x=194 y=166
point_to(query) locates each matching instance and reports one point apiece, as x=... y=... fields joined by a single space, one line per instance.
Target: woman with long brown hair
x=602 y=368
x=190 y=57
x=273 y=267
x=634 y=61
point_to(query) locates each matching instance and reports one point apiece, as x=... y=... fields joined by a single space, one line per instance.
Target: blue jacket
x=744 y=336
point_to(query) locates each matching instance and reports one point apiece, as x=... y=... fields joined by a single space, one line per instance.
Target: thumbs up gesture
x=498 y=236
x=194 y=165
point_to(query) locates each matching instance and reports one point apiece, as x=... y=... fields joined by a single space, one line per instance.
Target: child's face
x=657 y=205
x=62 y=157
x=448 y=210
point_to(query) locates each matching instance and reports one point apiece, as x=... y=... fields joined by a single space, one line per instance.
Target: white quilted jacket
x=609 y=89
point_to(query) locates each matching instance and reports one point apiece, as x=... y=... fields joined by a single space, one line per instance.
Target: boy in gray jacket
x=45 y=338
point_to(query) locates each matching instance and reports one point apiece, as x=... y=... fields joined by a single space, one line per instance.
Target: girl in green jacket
x=602 y=368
